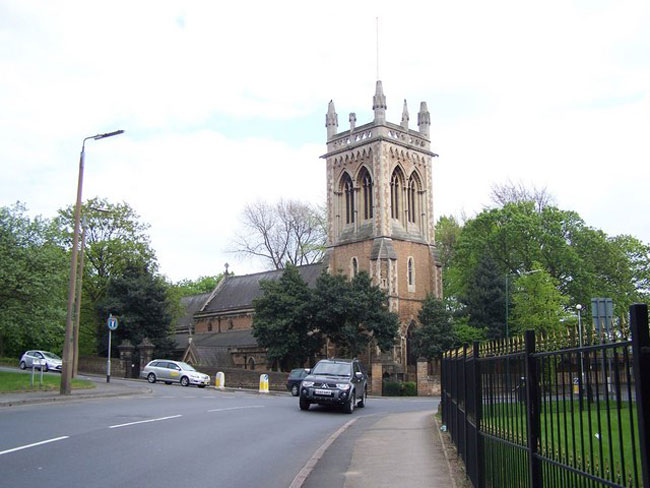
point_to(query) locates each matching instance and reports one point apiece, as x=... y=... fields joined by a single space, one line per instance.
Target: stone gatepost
x=423 y=383
x=377 y=378
x=145 y=348
x=126 y=357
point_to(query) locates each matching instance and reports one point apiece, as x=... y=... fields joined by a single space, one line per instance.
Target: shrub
x=399 y=388
x=409 y=388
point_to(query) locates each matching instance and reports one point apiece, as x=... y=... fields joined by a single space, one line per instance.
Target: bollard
x=220 y=380
x=264 y=383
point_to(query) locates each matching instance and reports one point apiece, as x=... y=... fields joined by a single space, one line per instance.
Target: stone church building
x=380 y=220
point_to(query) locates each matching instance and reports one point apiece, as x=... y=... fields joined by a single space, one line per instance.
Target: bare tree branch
x=510 y=192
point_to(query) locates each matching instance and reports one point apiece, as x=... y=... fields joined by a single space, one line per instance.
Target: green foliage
x=436 y=334
x=466 y=334
x=203 y=284
x=20 y=381
x=33 y=283
x=283 y=320
x=485 y=299
x=399 y=388
x=537 y=302
x=139 y=300
x=352 y=313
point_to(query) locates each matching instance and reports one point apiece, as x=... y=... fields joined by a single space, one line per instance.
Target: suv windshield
x=335 y=369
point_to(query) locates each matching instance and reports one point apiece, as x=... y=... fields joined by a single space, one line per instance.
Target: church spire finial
x=405 y=116
x=379 y=104
x=331 y=120
x=424 y=119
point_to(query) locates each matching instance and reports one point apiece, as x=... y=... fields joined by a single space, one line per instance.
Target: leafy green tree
x=138 y=298
x=436 y=335
x=537 y=302
x=352 y=313
x=282 y=320
x=203 y=284
x=485 y=300
x=115 y=239
x=33 y=283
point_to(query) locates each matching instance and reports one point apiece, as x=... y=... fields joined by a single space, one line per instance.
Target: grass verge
x=18 y=382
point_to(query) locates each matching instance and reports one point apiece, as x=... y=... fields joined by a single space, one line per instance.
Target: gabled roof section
x=238 y=292
x=191 y=304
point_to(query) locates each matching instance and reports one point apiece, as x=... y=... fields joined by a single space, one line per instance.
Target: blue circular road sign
x=112 y=322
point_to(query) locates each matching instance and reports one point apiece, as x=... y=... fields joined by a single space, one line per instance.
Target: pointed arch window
x=411 y=280
x=395 y=191
x=366 y=184
x=411 y=195
x=348 y=195
x=355 y=267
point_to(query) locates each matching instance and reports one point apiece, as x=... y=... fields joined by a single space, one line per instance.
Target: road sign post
x=112 y=325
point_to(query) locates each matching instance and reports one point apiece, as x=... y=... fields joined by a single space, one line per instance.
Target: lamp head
x=578 y=307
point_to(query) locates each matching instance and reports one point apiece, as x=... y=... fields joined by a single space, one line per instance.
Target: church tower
x=380 y=211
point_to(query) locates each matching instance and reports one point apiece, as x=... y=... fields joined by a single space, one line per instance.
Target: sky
x=223 y=104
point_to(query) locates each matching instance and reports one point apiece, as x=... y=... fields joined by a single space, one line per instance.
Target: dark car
x=294 y=379
x=341 y=382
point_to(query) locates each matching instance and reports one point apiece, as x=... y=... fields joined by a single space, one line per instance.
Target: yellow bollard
x=264 y=383
x=220 y=380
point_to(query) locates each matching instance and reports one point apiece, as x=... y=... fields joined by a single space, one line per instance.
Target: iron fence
x=560 y=410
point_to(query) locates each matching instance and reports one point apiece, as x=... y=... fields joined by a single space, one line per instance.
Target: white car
x=41 y=359
x=174 y=372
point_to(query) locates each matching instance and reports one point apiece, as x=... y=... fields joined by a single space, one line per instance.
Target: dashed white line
x=235 y=408
x=144 y=421
x=33 y=445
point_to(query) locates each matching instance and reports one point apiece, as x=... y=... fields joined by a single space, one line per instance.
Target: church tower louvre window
x=379 y=206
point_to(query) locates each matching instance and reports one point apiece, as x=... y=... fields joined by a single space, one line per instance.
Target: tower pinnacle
x=331 y=120
x=424 y=119
x=379 y=104
x=405 y=116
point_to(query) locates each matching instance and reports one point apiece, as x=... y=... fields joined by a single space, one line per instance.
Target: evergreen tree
x=138 y=299
x=485 y=299
x=436 y=335
x=283 y=322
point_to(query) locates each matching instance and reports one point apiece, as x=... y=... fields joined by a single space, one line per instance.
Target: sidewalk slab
x=400 y=450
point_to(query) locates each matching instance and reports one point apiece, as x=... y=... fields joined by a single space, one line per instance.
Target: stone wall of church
x=224 y=323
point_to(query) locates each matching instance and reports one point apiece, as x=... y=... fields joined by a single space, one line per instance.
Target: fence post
x=465 y=406
x=478 y=413
x=532 y=413
x=641 y=365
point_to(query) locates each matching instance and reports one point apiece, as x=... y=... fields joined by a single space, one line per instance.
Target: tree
x=33 y=283
x=138 y=298
x=436 y=334
x=485 y=300
x=353 y=313
x=287 y=232
x=509 y=192
x=115 y=240
x=537 y=302
x=203 y=284
x=282 y=322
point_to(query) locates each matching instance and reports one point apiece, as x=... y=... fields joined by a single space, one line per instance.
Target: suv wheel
x=304 y=404
x=364 y=399
x=349 y=406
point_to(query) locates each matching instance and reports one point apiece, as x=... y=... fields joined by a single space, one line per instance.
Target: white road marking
x=235 y=408
x=33 y=445
x=144 y=421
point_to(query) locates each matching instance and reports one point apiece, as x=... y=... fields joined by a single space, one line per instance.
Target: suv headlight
x=343 y=386
x=307 y=383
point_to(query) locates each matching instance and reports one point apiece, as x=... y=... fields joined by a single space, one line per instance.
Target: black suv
x=335 y=382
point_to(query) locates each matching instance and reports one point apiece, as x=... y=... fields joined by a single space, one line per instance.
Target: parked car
x=41 y=359
x=295 y=378
x=174 y=372
x=341 y=382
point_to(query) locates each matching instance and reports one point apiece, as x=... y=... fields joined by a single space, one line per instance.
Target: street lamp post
x=68 y=346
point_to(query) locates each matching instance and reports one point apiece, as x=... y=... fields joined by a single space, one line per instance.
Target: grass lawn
x=597 y=440
x=12 y=382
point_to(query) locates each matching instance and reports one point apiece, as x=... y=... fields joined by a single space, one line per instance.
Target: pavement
x=402 y=449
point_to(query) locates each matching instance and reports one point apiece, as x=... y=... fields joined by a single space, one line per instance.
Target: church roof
x=238 y=292
x=190 y=304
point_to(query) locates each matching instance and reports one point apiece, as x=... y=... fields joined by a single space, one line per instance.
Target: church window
x=348 y=191
x=395 y=193
x=411 y=201
x=251 y=363
x=366 y=183
x=410 y=274
x=355 y=267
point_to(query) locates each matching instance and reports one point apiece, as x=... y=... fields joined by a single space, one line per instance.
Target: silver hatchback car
x=174 y=372
x=47 y=360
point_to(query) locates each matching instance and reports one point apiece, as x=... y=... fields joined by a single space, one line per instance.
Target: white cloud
x=553 y=94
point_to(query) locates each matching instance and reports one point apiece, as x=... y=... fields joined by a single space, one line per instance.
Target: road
x=178 y=437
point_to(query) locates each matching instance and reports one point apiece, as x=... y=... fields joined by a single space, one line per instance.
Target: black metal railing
x=562 y=410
